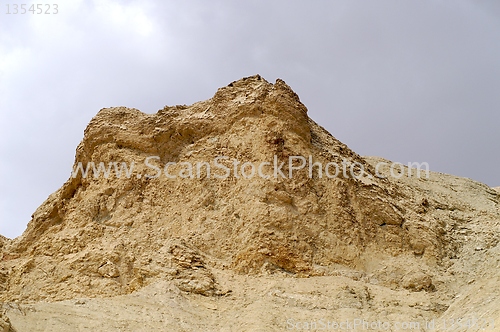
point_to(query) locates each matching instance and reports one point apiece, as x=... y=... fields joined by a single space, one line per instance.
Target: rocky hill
x=279 y=243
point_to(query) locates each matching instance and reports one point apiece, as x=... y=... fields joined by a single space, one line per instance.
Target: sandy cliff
x=264 y=250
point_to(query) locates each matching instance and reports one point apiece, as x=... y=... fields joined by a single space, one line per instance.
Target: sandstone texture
x=240 y=253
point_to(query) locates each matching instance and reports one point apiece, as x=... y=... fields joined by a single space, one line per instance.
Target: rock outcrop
x=167 y=221
x=111 y=235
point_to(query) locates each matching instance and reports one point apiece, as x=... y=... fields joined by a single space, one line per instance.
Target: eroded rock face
x=417 y=281
x=109 y=236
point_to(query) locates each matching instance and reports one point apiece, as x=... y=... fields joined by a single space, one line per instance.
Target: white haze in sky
x=406 y=80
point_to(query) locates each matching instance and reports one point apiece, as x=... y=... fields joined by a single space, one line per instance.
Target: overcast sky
x=408 y=80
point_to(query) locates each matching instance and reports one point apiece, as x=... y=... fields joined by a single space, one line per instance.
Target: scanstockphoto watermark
x=357 y=324
x=360 y=324
x=223 y=167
